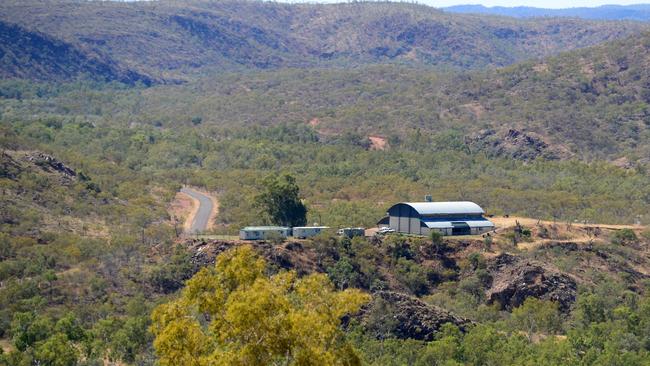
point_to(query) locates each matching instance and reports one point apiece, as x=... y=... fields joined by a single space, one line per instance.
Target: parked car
x=385 y=230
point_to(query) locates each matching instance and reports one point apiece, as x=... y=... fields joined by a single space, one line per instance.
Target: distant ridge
x=170 y=41
x=638 y=12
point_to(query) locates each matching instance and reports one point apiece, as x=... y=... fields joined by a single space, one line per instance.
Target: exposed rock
x=403 y=316
x=515 y=279
x=515 y=144
x=48 y=163
x=289 y=255
x=605 y=258
x=204 y=252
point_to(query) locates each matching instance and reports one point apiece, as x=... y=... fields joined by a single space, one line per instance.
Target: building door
x=460 y=228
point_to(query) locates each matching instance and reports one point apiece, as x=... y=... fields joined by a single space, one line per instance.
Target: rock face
x=515 y=144
x=515 y=279
x=48 y=163
x=289 y=255
x=403 y=316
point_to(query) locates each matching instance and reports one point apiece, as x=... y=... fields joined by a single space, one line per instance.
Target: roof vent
x=428 y=198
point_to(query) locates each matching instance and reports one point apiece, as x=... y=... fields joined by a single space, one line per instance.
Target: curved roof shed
x=449 y=218
x=446 y=208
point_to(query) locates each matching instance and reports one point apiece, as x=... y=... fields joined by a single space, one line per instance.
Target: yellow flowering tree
x=235 y=314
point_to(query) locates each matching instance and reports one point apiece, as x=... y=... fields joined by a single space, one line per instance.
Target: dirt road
x=201 y=218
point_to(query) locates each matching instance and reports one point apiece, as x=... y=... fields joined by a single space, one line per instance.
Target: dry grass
x=562 y=232
x=6 y=346
x=183 y=208
x=504 y=222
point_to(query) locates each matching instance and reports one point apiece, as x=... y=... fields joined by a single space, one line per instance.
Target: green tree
x=280 y=200
x=343 y=274
x=69 y=325
x=234 y=314
x=536 y=316
x=56 y=351
x=445 y=349
x=624 y=236
x=27 y=329
x=590 y=308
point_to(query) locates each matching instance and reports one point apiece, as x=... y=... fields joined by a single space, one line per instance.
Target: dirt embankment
x=182 y=210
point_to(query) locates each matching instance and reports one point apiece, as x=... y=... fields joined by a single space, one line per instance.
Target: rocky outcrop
x=515 y=144
x=515 y=279
x=393 y=314
x=49 y=163
x=289 y=255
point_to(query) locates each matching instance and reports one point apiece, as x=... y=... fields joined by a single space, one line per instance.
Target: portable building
x=303 y=232
x=263 y=232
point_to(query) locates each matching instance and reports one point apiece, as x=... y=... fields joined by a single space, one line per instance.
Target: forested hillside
x=594 y=102
x=588 y=104
x=170 y=40
x=640 y=12
x=108 y=108
x=85 y=246
x=32 y=55
x=345 y=178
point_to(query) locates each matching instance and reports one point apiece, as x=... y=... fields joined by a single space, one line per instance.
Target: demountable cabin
x=303 y=232
x=263 y=232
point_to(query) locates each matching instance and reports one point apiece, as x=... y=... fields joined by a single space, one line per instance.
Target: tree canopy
x=235 y=314
x=280 y=200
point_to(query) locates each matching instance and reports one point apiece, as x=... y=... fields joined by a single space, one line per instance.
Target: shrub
x=624 y=236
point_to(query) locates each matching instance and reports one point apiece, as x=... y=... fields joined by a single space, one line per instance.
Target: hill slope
x=167 y=40
x=594 y=102
x=639 y=12
x=32 y=55
x=586 y=104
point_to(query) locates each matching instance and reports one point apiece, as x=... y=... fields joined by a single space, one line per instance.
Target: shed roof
x=448 y=224
x=446 y=208
x=264 y=228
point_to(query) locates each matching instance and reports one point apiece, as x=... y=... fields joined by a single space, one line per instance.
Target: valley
x=137 y=138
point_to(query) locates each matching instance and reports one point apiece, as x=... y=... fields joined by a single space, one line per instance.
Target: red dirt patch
x=377 y=143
